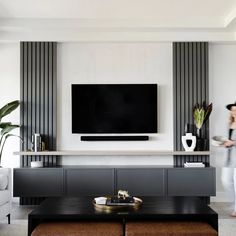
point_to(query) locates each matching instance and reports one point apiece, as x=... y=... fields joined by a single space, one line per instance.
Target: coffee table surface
x=80 y=208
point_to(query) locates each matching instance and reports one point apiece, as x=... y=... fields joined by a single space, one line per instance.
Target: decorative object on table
x=123 y=194
x=117 y=201
x=7 y=127
x=121 y=201
x=218 y=141
x=201 y=114
x=100 y=200
x=110 y=208
x=189 y=142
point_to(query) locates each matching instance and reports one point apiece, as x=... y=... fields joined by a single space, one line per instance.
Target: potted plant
x=7 y=127
x=200 y=116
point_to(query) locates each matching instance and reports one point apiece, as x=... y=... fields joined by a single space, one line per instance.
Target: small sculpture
x=123 y=194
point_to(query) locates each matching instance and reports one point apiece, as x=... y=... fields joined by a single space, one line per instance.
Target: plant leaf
x=208 y=112
x=8 y=129
x=201 y=114
x=8 y=108
x=4 y=141
x=3 y=125
x=14 y=135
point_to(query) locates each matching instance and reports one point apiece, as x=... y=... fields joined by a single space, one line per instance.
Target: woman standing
x=229 y=171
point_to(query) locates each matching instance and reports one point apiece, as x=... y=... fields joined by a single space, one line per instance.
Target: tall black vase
x=202 y=144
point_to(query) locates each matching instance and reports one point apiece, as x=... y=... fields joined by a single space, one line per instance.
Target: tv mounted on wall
x=114 y=108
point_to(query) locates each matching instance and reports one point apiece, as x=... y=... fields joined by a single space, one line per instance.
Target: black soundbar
x=114 y=138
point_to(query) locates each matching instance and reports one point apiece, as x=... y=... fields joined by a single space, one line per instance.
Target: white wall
x=115 y=63
x=122 y=63
x=222 y=72
x=9 y=91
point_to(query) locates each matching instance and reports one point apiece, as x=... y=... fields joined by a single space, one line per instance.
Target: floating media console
x=115 y=138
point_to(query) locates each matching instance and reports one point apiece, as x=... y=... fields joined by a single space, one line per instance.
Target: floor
x=18 y=226
x=227 y=224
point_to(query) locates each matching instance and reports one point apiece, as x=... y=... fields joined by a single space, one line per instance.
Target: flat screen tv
x=114 y=108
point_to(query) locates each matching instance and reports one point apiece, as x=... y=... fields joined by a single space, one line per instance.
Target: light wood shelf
x=112 y=153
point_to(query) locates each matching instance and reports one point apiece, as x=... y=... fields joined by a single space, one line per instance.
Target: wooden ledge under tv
x=112 y=153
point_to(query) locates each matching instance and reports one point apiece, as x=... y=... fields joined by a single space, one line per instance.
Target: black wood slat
x=190 y=86
x=54 y=105
x=38 y=100
x=22 y=99
x=38 y=92
x=178 y=102
x=25 y=99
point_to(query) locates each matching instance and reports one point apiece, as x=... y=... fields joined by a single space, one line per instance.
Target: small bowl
x=218 y=140
x=36 y=164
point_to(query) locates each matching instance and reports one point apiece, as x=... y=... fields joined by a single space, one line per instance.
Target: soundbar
x=115 y=138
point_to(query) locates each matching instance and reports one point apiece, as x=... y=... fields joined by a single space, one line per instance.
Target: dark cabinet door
x=141 y=181
x=191 y=182
x=89 y=182
x=38 y=182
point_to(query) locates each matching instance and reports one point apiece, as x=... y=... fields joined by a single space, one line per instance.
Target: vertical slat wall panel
x=38 y=100
x=190 y=85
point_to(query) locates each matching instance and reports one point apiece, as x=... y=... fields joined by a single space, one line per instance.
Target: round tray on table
x=137 y=204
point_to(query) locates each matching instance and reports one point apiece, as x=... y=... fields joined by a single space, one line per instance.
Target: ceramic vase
x=185 y=139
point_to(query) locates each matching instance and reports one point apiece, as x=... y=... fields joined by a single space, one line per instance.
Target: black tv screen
x=114 y=108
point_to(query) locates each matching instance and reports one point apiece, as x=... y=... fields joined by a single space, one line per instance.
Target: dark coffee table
x=153 y=208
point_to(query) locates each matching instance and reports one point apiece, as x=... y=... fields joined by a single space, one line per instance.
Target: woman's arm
x=229 y=143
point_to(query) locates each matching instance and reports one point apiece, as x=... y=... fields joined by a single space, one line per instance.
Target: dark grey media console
x=106 y=180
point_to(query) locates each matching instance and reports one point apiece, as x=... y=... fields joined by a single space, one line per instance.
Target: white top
x=231 y=153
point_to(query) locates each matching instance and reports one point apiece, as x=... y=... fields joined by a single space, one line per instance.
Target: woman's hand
x=229 y=143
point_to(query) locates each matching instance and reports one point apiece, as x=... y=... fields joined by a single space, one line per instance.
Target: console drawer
x=191 y=182
x=38 y=182
x=141 y=181
x=89 y=182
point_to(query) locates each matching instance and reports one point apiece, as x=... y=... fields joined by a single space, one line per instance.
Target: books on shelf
x=115 y=201
x=194 y=164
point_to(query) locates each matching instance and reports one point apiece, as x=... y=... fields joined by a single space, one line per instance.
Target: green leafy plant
x=7 y=127
x=201 y=115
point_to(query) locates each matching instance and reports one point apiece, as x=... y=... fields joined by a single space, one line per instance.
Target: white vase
x=189 y=136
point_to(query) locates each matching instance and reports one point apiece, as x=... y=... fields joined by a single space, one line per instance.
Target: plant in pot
x=200 y=116
x=7 y=127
